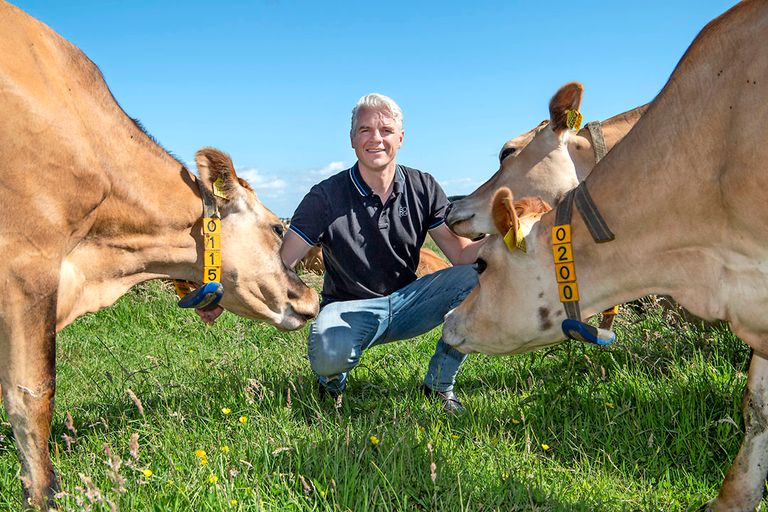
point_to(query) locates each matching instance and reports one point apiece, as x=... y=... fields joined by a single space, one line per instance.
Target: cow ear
x=503 y=211
x=218 y=175
x=564 y=107
x=528 y=205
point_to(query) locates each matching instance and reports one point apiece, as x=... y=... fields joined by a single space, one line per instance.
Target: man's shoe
x=336 y=396
x=451 y=403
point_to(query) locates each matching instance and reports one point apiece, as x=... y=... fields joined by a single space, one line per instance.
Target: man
x=371 y=221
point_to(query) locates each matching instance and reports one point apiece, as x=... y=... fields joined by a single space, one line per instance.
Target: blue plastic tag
x=580 y=331
x=206 y=296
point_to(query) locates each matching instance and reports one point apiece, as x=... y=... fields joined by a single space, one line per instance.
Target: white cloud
x=265 y=185
x=282 y=194
x=331 y=168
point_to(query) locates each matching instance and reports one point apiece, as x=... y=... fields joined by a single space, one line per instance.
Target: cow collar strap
x=598 y=140
x=209 y=294
x=565 y=269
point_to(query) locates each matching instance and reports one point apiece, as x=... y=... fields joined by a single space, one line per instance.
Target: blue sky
x=273 y=82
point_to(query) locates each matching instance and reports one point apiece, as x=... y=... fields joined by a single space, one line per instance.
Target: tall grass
x=650 y=423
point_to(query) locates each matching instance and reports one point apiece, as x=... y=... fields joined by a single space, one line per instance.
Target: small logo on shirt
x=403 y=211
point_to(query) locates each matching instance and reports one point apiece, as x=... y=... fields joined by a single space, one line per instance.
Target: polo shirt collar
x=363 y=188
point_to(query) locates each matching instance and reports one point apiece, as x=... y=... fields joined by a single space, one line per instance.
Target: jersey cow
x=695 y=226
x=92 y=207
x=544 y=162
x=429 y=262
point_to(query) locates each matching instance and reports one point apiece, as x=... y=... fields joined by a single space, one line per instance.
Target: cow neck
x=210 y=292
x=565 y=266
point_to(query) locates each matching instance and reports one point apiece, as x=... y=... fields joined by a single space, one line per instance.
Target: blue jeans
x=343 y=330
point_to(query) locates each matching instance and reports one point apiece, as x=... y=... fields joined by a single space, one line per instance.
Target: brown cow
x=429 y=262
x=92 y=207
x=693 y=227
x=542 y=169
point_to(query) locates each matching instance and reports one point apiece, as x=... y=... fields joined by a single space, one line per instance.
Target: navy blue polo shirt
x=370 y=249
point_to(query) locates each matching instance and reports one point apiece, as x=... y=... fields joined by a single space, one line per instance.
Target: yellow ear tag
x=573 y=119
x=218 y=188
x=514 y=239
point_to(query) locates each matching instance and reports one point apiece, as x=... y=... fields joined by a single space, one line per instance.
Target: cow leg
x=742 y=489
x=27 y=377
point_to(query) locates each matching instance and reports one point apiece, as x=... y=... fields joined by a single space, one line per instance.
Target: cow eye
x=278 y=229
x=506 y=152
x=480 y=265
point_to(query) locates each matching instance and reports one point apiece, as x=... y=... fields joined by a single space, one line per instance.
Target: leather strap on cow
x=598 y=140
x=565 y=269
x=209 y=294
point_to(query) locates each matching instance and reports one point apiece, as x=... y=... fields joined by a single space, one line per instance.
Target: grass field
x=650 y=423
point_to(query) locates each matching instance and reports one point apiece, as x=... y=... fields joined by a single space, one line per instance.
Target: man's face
x=376 y=139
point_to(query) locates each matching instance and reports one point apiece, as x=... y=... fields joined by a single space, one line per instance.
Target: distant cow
x=429 y=262
x=92 y=207
x=686 y=195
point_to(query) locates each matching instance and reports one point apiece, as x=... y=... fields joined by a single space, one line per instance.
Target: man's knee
x=327 y=363
x=331 y=355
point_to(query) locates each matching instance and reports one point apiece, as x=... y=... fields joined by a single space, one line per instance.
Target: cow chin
x=287 y=315
x=469 y=334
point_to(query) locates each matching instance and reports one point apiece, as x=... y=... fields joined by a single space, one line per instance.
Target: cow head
x=536 y=163
x=515 y=306
x=256 y=282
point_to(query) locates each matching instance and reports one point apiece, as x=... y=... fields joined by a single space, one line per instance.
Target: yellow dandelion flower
x=225 y=411
x=243 y=420
x=147 y=473
x=545 y=446
x=212 y=479
x=225 y=449
x=200 y=454
x=374 y=440
x=203 y=462
x=515 y=421
x=454 y=437
x=609 y=405
x=232 y=503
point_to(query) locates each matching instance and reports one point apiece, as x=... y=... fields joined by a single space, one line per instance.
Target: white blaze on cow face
x=542 y=168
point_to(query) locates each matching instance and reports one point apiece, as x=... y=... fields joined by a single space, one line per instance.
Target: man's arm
x=294 y=248
x=459 y=250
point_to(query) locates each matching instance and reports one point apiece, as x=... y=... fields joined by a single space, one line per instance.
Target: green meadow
x=155 y=411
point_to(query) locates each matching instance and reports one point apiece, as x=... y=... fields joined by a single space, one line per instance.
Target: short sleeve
x=309 y=221
x=438 y=203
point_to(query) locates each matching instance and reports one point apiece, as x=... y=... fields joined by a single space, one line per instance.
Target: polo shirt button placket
x=384 y=218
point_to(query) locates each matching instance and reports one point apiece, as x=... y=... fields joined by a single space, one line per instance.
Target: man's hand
x=209 y=316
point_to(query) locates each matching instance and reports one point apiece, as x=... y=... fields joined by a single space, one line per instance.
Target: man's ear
x=565 y=100
x=218 y=175
x=503 y=211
